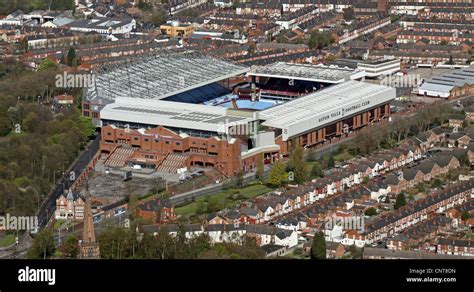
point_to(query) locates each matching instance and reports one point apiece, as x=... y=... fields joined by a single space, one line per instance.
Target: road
x=49 y=205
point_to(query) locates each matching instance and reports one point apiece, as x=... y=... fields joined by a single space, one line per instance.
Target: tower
x=89 y=247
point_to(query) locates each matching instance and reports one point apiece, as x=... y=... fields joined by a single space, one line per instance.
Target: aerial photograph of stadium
x=176 y=134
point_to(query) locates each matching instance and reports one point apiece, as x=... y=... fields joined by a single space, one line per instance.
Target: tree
x=43 y=246
x=316 y=171
x=298 y=165
x=71 y=57
x=348 y=13
x=117 y=243
x=201 y=208
x=239 y=179
x=370 y=212
x=215 y=204
x=311 y=155
x=437 y=183
x=277 y=176
x=451 y=61
x=400 y=201
x=319 y=40
x=47 y=64
x=318 y=249
x=23 y=45
x=260 y=170
x=70 y=248
x=331 y=161
x=465 y=215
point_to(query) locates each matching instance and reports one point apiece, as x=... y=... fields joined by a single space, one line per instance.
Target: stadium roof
x=171 y=114
x=316 y=73
x=325 y=107
x=160 y=76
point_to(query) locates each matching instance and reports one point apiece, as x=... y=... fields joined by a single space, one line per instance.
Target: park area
x=224 y=199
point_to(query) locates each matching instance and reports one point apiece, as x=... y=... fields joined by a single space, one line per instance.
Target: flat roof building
x=449 y=85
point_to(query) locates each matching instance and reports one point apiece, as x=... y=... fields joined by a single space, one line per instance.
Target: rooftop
x=160 y=76
x=316 y=73
x=170 y=114
x=325 y=106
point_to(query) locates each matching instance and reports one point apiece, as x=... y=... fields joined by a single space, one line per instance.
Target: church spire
x=89 y=246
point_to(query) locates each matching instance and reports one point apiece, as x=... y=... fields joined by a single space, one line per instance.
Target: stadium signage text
x=344 y=111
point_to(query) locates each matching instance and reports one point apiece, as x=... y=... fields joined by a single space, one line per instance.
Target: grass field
x=343 y=156
x=229 y=198
x=7 y=240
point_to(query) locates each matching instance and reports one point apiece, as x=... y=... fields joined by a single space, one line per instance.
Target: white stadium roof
x=316 y=73
x=325 y=107
x=171 y=114
x=160 y=76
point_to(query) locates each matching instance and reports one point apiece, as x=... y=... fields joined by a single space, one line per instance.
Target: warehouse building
x=454 y=84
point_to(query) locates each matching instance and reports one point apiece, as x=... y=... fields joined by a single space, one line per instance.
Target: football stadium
x=167 y=112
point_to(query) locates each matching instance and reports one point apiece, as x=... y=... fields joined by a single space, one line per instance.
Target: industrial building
x=450 y=85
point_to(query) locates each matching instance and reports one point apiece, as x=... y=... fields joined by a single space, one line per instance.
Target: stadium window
x=136 y=138
x=157 y=140
x=178 y=143
x=213 y=146
x=167 y=142
x=146 y=140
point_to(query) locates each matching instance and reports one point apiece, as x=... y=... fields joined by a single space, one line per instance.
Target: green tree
x=117 y=243
x=316 y=171
x=70 y=248
x=311 y=155
x=277 y=176
x=43 y=246
x=318 y=249
x=319 y=40
x=259 y=171
x=437 y=183
x=331 y=161
x=370 y=212
x=215 y=204
x=201 y=208
x=47 y=64
x=400 y=201
x=465 y=215
x=71 y=57
x=298 y=165
x=239 y=179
